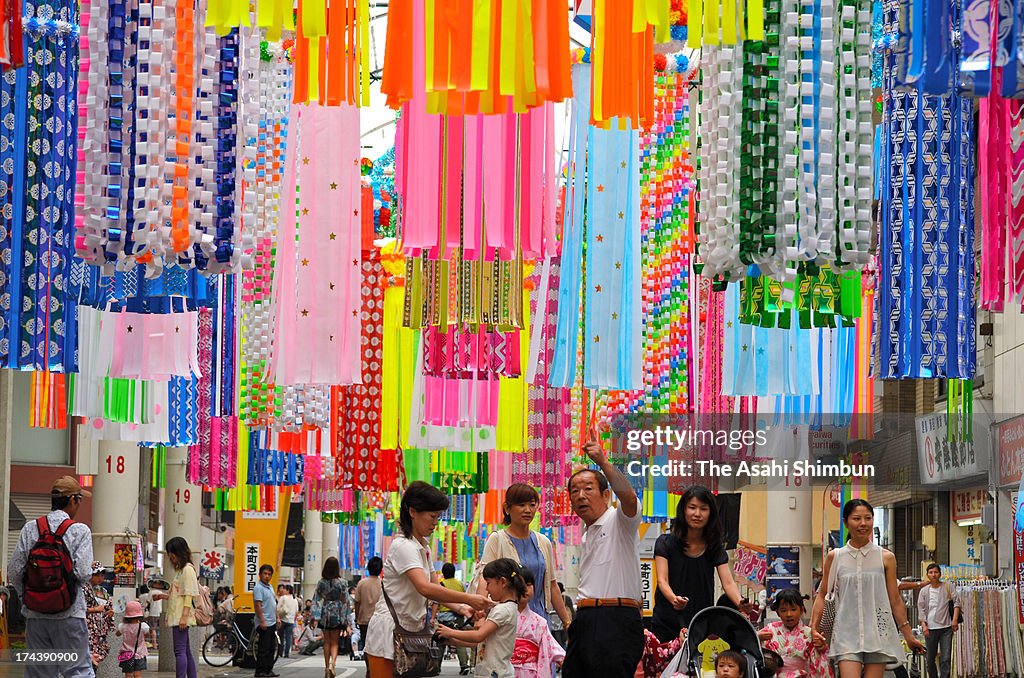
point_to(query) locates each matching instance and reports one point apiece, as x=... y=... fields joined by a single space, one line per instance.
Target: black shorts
x=133 y=665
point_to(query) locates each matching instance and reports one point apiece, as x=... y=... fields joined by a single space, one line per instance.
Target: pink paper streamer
x=318 y=329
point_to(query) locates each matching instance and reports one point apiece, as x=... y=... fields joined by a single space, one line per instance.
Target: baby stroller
x=727 y=624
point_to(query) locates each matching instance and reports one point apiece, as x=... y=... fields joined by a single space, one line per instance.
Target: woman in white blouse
x=408 y=579
x=870 y=614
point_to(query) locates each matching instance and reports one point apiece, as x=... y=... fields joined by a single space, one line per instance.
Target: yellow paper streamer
x=711 y=22
x=313 y=69
x=390 y=373
x=728 y=22
x=364 y=52
x=287 y=20
x=428 y=33
x=481 y=66
x=512 y=397
x=266 y=13
x=658 y=16
x=528 y=69
x=755 y=19
x=509 y=48
x=695 y=24
x=314 y=18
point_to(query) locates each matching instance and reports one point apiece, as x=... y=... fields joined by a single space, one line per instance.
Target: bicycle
x=226 y=644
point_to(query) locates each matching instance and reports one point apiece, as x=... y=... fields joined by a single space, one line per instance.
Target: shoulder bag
x=125 y=655
x=417 y=653
x=828 y=612
x=950 y=605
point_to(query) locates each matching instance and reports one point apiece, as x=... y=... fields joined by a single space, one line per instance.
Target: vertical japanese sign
x=252 y=565
x=259 y=540
x=647 y=584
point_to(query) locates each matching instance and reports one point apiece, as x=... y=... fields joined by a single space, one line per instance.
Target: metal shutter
x=31 y=506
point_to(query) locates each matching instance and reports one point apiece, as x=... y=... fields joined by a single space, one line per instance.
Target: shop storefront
x=1009 y=444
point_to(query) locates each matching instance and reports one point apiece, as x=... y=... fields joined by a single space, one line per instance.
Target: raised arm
x=620 y=485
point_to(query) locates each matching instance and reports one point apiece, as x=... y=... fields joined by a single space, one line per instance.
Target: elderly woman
x=529 y=549
x=99 y=615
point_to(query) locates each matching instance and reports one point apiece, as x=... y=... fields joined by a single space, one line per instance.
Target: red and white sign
x=750 y=563
x=835 y=495
x=1010 y=448
x=967 y=504
x=212 y=563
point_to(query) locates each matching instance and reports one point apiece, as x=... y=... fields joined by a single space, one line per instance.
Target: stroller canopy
x=727 y=624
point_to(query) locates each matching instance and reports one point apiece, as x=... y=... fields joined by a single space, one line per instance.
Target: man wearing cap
x=607 y=637
x=67 y=630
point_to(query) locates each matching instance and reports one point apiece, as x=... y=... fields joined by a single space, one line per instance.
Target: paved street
x=303 y=667
x=295 y=667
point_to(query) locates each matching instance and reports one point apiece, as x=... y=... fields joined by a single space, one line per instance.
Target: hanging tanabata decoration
x=476 y=56
x=602 y=279
x=780 y=118
x=319 y=242
x=622 y=59
x=926 y=305
x=38 y=151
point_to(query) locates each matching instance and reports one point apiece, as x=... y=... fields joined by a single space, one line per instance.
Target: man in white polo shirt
x=607 y=638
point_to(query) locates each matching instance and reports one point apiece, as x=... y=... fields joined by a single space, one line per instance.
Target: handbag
x=125 y=655
x=950 y=606
x=828 y=612
x=417 y=653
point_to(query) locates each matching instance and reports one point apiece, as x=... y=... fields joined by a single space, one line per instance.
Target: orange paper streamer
x=483 y=56
x=622 y=79
x=342 y=69
x=48 y=406
x=184 y=51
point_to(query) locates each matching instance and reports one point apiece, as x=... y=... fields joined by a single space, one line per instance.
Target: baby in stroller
x=719 y=632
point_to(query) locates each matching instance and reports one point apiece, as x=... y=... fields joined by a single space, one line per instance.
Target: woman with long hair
x=330 y=610
x=870 y=613
x=686 y=561
x=529 y=549
x=180 y=614
x=409 y=581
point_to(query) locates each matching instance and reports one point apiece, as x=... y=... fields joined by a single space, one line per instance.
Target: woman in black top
x=686 y=560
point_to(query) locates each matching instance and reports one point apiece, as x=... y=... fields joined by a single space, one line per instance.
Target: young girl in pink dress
x=536 y=649
x=791 y=638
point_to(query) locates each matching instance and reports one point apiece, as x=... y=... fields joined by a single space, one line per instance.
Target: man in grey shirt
x=62 y=631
